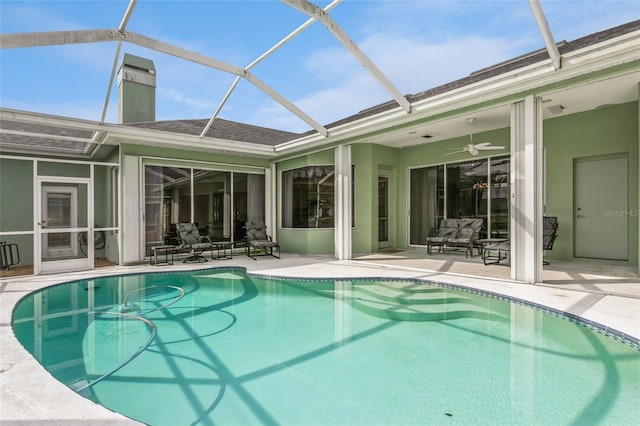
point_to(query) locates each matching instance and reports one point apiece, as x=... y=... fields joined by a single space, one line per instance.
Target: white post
x=131 y=247
x=342 y=207
x=526 y=190
x=270 y=186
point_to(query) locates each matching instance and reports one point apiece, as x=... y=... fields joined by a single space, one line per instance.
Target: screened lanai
x=243 y=96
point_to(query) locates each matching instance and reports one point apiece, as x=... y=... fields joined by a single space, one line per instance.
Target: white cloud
x=176 y=96
x=412 y=67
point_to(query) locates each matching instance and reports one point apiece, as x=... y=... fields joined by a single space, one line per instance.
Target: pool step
x=408 y=302
x=411 y=297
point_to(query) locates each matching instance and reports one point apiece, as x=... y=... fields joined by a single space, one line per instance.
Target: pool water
x=219 y=346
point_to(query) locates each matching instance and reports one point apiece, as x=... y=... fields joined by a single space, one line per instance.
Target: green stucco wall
x=599 y=132
x=63 y=169
x=368 y=159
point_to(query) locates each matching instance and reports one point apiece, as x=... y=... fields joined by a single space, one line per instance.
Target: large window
x=308 y=197
x=477 y=189
x=219 y=202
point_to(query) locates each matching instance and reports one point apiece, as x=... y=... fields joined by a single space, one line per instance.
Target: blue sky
x=416 y=44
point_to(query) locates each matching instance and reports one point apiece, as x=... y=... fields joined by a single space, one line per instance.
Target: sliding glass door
x=219 y=202
x=426 y=202
x=478 y=188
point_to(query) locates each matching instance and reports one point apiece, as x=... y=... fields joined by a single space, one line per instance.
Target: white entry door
x=601 y=209
x=63 y=226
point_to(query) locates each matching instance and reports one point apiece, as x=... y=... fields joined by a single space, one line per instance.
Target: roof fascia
x=50 y=120
x=115 y=134
x=158 y=138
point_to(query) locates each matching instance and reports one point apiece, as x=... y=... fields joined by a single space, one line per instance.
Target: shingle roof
x=235 y=131
x=501 y=68
x=223 y=129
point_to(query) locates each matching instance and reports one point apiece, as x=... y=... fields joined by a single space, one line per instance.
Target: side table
x=163 y=252
x=221 y=248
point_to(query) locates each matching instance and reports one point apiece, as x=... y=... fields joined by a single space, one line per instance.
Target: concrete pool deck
x=605 y=293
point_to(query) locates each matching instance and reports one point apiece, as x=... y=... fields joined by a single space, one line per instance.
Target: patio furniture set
x=188 y=240
x=464 y=233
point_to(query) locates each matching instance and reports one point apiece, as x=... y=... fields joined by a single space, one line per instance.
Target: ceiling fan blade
x=454 y=152
x=474 y=151
x=481 y=145
x=489 y=147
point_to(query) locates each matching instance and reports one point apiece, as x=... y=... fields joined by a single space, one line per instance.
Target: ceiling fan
x=472 y=147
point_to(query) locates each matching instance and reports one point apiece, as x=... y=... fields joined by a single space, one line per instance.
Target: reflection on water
x=236 y=349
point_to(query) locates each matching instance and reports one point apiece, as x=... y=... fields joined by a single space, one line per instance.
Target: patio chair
x=549 y=233
x=467 y=236
x=258 y=241
x=494 y=253
x=190 y=239
x=448 y=229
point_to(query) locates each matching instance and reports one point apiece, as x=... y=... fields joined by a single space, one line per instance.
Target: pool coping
x=25 y=398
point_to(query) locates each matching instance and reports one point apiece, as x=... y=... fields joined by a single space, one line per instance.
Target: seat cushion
x=437 y=240
x=263 y=244
x=201 y=246
x=463 y=237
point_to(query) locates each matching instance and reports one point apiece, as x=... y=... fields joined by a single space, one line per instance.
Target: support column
x=270 y=188
x=343 y=207
x=526 y=190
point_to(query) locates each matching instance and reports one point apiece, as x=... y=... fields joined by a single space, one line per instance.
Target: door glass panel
x=248 y=202
x=167 y=202
x=467 y=189
x=426 y=203
x=212 y=203
x=500 y=197
x=383 y=208
x=64 y=221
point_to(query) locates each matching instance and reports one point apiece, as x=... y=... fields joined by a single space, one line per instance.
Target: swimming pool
x=220 y=346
